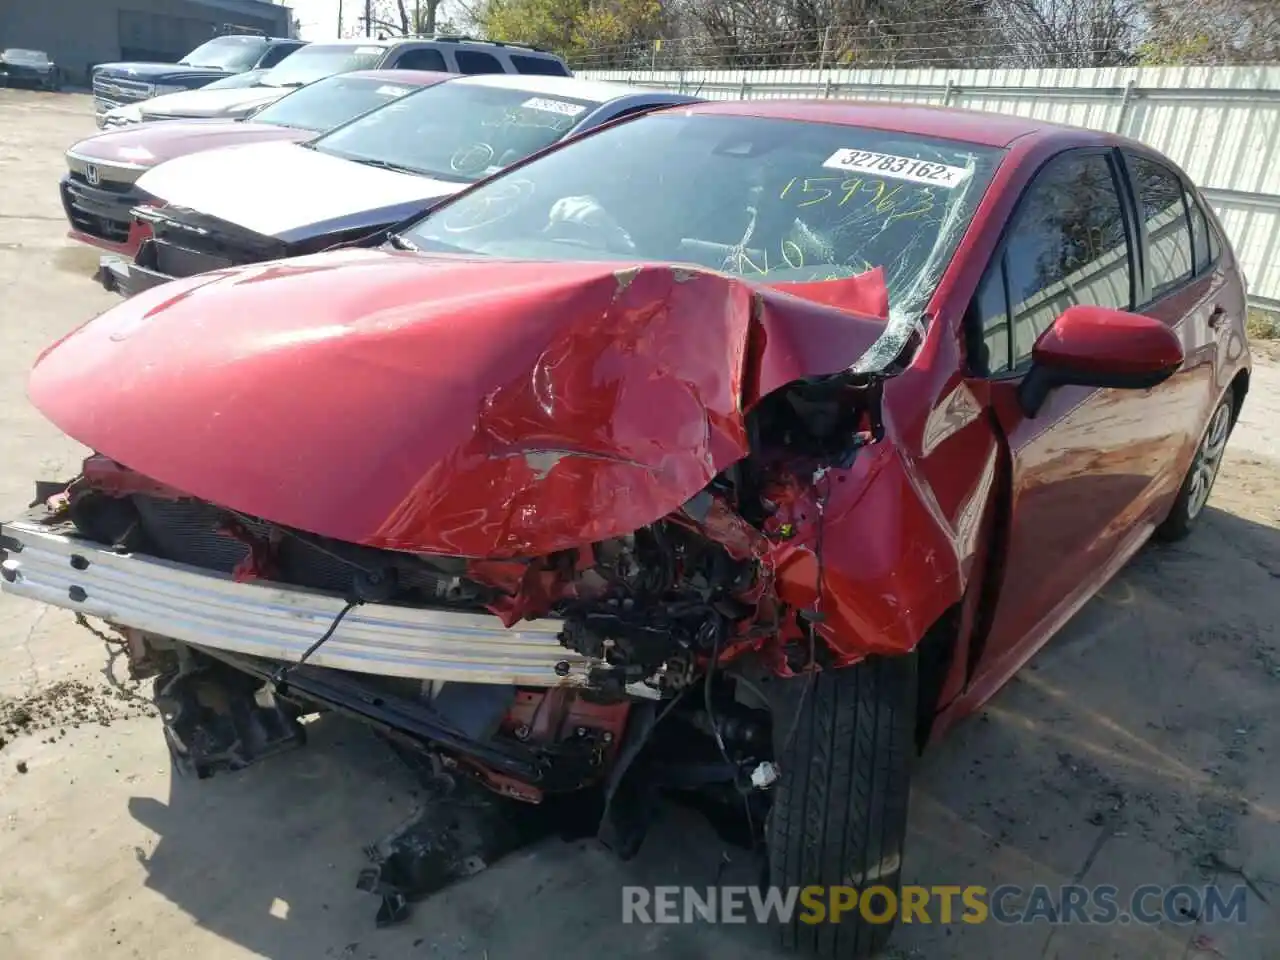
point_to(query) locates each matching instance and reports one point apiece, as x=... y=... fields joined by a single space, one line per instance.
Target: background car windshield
x=237 y=81
x=775 y=200
x=326 y=103
x=455 y=131
x=316 y=61
x=226 y=53
x=33 y=57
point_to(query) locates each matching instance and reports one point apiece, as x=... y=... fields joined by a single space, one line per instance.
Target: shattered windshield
x=318 y=60
x=457 y=131
x=226 y=53
x=777 y=200
x=326 y=103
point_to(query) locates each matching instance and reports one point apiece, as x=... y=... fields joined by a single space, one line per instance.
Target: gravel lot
x=1139 y=747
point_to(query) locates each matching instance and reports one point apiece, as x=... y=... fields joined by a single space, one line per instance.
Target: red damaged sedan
x=737 y=448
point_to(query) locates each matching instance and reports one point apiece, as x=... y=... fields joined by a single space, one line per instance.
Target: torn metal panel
x=521 y=409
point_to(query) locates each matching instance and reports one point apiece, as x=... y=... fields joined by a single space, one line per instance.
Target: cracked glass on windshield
x=777 y=200
x=457 y=131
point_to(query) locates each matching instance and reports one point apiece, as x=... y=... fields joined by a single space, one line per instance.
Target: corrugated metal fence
x=1220 y=124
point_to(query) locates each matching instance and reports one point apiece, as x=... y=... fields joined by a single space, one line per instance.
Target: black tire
x=1197 y=485
x=839 y=814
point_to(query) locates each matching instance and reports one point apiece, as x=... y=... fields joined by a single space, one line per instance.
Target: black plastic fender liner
x=389 y=713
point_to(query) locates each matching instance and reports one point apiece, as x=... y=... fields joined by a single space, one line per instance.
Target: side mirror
x=1098 y=347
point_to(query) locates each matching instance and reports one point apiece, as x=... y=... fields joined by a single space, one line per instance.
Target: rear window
x=542 y=66
x=473 y=61
x=318 y=60
x=327 y=103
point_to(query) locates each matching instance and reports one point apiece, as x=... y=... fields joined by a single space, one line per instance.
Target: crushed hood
x=145 y=145
x=290 y=192
x=470 y=407
x=211 y=103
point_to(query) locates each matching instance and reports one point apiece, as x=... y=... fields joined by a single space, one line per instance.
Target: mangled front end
x=489 y=520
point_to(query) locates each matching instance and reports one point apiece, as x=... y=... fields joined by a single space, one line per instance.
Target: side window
x=422 y=58
x=1199 y=234
x=1067 y=246
x=543 y=66
x=276 y=54
x=989 y=340
x=1160 y=200
x=473 y=61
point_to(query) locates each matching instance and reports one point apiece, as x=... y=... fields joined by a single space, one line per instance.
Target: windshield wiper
x=400 y=243
x=387 y=165
x=291 y=85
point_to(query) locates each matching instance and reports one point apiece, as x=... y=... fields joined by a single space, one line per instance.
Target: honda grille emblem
x=91 y=175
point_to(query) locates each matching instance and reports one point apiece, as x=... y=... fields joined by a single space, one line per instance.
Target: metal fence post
x=946 y=93
x=742 y=92
x=1125 y=99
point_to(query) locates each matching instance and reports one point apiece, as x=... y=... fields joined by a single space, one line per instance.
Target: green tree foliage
x=572 y=27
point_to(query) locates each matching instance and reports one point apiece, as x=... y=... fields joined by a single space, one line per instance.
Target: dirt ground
x=1139 y=747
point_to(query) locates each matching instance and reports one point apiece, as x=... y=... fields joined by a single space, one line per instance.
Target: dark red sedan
x=741 y=447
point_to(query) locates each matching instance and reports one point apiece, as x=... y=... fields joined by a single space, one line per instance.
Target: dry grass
x=1262 y=325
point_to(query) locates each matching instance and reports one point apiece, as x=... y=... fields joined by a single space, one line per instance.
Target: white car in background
x=241 y=95
x=265 y=201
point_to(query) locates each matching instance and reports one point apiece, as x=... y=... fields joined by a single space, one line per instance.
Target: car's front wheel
x=1198 y=483
x=839 y=812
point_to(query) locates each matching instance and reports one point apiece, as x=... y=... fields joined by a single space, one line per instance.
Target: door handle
x=1215 y=319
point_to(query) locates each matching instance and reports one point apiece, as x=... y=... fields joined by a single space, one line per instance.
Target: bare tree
x=1067 y=33
x=1212 y=31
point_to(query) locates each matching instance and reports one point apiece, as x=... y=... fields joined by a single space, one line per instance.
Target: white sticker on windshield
x=561 y=107
x=897 y=168
x=386 y=90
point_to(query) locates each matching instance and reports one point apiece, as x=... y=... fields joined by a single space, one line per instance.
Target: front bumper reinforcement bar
x=277 y=621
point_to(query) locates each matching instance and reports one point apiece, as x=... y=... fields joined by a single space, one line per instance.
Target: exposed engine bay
x=657 y=612
x=605 y=563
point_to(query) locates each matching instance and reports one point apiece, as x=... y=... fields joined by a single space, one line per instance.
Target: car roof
x=949 y=123
x=354 y=42
x=423 y=78
x=598 y=90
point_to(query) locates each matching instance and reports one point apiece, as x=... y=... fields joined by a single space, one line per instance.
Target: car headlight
x=160 y=89
x=122 y=116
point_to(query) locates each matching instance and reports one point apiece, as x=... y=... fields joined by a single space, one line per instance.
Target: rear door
x=1179 y=285
x=1088 y=470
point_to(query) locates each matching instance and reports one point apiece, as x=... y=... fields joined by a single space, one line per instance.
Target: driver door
x=1090 y=471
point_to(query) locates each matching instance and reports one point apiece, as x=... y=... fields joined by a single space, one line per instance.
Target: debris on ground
x=68 y=705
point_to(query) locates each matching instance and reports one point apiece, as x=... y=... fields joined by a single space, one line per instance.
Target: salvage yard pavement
x=1138 y=748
